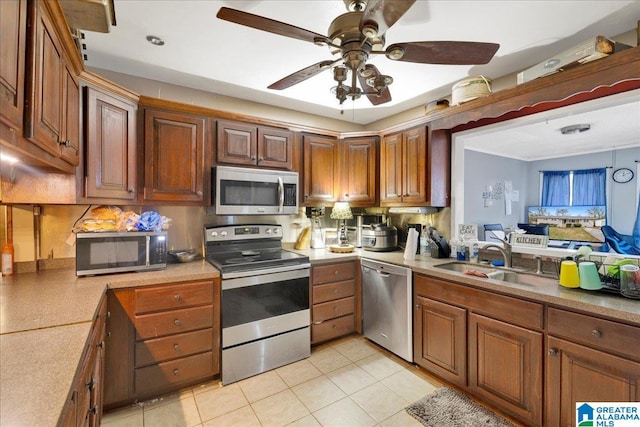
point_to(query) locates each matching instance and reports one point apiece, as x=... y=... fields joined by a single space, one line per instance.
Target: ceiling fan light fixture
x=155 y=40
x=395 y=54
x=379 y=82
x=574 y=129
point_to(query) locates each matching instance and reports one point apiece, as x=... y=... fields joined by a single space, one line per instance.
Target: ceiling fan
x=358 y=34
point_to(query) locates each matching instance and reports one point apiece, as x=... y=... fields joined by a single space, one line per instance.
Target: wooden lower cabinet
x=85 y=401
x=589 y=359
x=162 y=338
x=333 y=300
x=441 y=331
x=489 y=344
x=505 y=367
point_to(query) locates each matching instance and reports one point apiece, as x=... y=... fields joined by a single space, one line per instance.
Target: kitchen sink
x=502 y=274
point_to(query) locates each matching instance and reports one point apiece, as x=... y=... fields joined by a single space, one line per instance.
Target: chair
x=494 y=232
x=539 y=229
x=617 y=241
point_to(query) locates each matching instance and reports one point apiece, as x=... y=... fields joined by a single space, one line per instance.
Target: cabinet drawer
x=592 y=331
x=173 y=322
x=333 y=291
x=331 y=309
x=332 y=328
x=155 y=378
x=333 y=272
x=174 y=296
x=160 y=349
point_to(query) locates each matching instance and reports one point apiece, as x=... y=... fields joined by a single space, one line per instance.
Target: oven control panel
x=242 y=232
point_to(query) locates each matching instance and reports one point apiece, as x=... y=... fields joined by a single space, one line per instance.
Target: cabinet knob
x=596 y=333
x=177 y=322
x=335 y=273
x=176 y=372
x=93 y=409
x=65 y=143
x=176 y=347
x=335 y=308
x=101 y=345
x=199 y=193
x=346 y=195
x=553 y=352
x=335 y=326
x=417 y=306
x=253 y=157
x=91 y=383
x=131 y=190
x=178 y=297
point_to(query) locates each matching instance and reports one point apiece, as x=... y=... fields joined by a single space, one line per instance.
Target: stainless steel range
x=265 y=299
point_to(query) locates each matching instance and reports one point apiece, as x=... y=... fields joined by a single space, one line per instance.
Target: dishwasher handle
x=382 y=273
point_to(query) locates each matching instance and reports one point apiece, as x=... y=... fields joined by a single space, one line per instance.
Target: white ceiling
x=206 y=53
x=614 y=121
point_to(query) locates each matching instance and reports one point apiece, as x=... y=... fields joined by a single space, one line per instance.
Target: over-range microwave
x=116 y=252
x=245 y=191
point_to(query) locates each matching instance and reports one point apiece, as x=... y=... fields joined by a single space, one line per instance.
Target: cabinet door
x=110 y=145
x=440 y=339
x=321 y=170
x=391 y=180
x=173 y=157
x=505 y=367
x=237 y=143
x=70 y=141
x=439 y=167
x=275 y=148
x=46 y=83
x=414 y=157
x=119 y=348
x=13 y=35
x=359 y=172
x=575 y=373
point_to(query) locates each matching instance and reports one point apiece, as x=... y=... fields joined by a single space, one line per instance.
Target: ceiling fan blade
x=302 y=75
x=269 y=25
x=382 y=14
x=444 y=52
x=385 y=95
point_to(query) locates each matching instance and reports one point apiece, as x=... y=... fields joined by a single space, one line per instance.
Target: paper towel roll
x=412 y=244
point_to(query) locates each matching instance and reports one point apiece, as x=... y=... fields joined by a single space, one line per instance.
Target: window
x=586 y=187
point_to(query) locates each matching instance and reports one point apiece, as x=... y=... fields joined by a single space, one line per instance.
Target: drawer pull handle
x=177 y=322
x=336 y=272
x=176 y=347
x=553 y=352
x=176 y=372
x=596 y=333
x=177 y=298
x=318 y=323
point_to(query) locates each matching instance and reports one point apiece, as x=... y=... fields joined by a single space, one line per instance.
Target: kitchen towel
x=412 y=244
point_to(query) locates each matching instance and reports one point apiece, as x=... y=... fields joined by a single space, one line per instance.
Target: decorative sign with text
x=529 y=240
x=468 y=232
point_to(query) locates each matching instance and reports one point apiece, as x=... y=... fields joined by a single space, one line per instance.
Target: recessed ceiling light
x=155 y=40
x=570 y=130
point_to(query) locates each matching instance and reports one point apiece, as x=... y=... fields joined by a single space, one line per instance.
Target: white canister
x=469 y=89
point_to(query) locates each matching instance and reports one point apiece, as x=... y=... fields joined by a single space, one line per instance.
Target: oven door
x=244 y=191
x=264 y=305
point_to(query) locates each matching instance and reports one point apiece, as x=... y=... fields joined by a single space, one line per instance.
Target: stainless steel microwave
x=245 y=191
x=114 y=252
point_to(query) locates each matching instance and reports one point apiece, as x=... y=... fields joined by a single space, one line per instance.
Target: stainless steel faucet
x=505 y=251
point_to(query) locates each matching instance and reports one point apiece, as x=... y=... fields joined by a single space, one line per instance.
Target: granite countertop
x=612 y=306
x=45 y=319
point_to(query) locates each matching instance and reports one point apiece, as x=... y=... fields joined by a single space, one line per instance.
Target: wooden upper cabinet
x=52 y=117
x=249 y=145
x=13 y=35
x=439 y=167
x=403 y=179
x=359 y=171
x=70 y=141
x=110 y=146
x=174 y=157
x=321 y=170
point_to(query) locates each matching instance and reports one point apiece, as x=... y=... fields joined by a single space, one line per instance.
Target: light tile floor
x=348 y=382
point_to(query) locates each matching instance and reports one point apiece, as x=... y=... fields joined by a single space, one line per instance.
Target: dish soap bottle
x=475 y=249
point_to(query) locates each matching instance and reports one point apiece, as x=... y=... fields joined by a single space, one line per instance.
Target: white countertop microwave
x=245 y=191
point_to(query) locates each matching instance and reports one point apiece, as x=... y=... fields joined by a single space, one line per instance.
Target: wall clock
x=622 y=175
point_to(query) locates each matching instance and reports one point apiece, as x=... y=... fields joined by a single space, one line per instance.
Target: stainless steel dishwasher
x=386 y=306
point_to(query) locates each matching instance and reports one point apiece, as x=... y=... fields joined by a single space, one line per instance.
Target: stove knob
x=276 y=230
x=223 y=233
x=214 y=234
x=267 y=230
